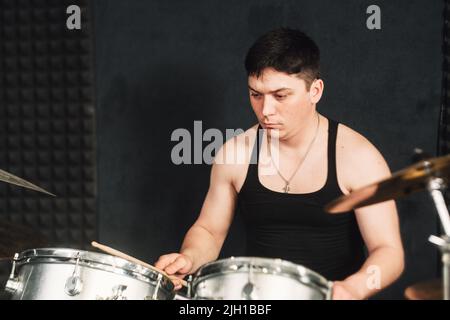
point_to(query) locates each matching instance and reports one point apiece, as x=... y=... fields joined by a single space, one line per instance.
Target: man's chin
x=274 y=132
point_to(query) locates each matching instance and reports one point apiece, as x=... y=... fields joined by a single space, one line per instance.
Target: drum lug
x=74 y=284
x=248 y=291
x=13 y=283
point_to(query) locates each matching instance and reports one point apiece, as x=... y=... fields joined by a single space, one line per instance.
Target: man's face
x=282 y=103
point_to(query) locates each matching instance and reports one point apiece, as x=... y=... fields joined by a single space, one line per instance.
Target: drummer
x=302 y=161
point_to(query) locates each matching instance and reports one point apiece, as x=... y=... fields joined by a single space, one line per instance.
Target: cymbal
x=12 y=179
x=411 y=179
x=425 y=290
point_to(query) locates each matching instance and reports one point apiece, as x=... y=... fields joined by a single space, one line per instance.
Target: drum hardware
x=443 y=243
x=158 y=283
x=436 y=186
x=248 y=291
x=13 y=284
x=74 y=284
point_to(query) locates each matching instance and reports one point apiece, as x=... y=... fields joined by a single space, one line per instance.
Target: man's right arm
x=205 y=238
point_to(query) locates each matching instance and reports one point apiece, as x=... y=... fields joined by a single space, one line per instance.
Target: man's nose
x=268 y=107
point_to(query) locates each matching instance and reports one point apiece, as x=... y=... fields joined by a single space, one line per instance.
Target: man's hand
x=176 y=264
x=342 y=291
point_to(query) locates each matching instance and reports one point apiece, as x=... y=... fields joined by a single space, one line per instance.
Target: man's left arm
x=379 y=228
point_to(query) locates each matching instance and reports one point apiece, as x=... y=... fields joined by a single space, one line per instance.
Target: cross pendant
x=286 y=188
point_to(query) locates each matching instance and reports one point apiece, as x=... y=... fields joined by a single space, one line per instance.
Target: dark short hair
x=285 y=50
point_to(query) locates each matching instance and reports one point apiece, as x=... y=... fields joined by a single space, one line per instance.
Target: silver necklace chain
x=288 y=181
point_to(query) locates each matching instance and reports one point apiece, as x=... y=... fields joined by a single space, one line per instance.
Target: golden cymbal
x=425 y=290
x=411 y=179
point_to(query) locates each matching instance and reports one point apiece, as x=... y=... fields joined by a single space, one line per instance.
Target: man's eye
x=256 y=95
x=280 y=97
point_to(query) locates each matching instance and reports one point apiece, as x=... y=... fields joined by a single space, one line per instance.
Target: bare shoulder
x=232 y=159
x=359 y=162
x=237 y=150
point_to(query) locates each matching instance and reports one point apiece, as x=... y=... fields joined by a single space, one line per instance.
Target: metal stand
x=435 y=188
x=444 y=246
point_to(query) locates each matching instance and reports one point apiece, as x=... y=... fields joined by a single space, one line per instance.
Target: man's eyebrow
x=274 y=91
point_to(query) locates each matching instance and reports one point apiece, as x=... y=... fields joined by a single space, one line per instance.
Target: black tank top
x=295 y=227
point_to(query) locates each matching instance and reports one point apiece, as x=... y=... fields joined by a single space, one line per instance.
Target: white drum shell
x=271 y=279
x=43 y=274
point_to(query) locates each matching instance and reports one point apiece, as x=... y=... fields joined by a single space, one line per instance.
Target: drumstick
x=122 y=255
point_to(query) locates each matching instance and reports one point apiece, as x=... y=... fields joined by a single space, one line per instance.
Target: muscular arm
x=378 y=223
x=385 y=263
x=204 y=240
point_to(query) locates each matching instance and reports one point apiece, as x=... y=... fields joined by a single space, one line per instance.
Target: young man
x=282 y=195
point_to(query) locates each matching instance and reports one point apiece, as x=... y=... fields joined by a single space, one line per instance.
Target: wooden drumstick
x=122 y=255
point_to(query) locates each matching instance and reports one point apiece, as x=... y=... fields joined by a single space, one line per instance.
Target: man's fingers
x=187 y=266
x=178 y=264
x=166 y=260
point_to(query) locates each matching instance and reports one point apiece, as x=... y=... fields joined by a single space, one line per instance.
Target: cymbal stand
x=436 y=186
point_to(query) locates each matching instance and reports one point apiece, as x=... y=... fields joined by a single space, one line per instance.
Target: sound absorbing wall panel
x=47 y=123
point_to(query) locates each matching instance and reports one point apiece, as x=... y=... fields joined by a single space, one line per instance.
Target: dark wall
x=161 y=65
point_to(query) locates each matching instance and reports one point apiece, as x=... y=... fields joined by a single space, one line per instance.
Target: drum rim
x=299 y=272
x=95 y=260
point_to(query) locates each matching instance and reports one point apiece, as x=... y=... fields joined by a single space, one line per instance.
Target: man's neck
x=301 y=137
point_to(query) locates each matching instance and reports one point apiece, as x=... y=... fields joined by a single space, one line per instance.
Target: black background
x=161 y=65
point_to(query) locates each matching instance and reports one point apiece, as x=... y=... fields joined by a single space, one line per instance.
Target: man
x=282 y=195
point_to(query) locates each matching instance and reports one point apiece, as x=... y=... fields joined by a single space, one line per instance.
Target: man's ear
x=316 y=90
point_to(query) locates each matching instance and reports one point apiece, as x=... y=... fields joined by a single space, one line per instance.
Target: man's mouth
x=271 y=125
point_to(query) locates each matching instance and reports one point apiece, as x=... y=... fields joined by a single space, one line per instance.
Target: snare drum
x=259 y=279
x=67 y=274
